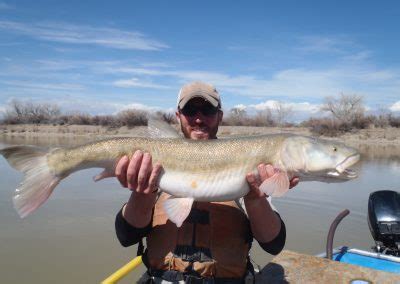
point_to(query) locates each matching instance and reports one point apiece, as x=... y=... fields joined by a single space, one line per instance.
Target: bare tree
x=345 y=108
x=237 y=116
x=264 y=118
x=29 y=112
x=282 y=112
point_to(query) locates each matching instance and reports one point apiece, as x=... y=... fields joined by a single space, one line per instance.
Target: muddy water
x=71 y=238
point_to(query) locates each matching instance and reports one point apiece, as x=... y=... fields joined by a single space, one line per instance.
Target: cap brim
x=213 y=101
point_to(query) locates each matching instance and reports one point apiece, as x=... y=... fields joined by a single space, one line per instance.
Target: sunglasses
x=206 y=110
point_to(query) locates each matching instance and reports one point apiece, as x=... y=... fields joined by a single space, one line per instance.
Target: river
x=71 y=238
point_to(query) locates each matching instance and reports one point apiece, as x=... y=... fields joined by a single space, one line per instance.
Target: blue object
x=367 y=259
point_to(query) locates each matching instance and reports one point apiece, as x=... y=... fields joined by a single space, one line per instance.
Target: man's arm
x=140 y=176
x=265 y=223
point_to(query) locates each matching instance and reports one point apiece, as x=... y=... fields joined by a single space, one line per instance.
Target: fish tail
x=39 y=180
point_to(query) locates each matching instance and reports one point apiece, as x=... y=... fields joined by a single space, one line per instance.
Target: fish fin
x=276 y=185
x=39 y=181
x=104 y=174
x=178 y=209
x=159 y=128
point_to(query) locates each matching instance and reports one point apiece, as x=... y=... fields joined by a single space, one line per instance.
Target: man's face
x=198 y=119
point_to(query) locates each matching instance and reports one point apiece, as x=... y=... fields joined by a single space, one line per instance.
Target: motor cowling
x=384 y=221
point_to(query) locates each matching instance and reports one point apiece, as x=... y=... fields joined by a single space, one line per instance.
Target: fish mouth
x=342 y=169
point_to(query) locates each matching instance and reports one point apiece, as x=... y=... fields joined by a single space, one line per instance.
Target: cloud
x=358 y=56
x=325 y=44
x=240 y=107
x=5 y=6
x=43 y=86
x=297 y=107
x=379 y=86
x=297 y=112
x=70 y=104
x=395 y=107
x=136 y=82
x=74 y=34
x=296 y=84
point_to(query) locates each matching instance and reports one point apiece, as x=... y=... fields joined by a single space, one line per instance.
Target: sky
x=101 y=57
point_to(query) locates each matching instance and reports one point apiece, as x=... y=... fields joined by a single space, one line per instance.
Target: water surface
x=71 y=238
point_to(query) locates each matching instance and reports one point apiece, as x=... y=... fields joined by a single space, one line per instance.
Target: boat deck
x=293 y=267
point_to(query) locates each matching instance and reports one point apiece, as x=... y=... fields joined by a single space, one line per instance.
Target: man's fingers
x=262 y=171
x=120 y=170
x=144 y=172
x=154 y=178
x=133 y=169
x=252 y=180
x=270 y=170
x=293 y=182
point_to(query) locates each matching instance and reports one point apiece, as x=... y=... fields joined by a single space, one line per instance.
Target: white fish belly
x=221 y=186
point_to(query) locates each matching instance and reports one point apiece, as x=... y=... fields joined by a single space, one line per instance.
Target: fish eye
x=334 y=149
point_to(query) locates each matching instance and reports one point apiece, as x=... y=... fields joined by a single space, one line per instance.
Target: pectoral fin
x=104 y=174
x=178 y=209
x=276 y=185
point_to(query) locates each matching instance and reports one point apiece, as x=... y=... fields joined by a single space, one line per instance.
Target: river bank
x=385 y=142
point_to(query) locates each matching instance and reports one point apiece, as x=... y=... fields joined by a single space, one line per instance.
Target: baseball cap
x=198 y=90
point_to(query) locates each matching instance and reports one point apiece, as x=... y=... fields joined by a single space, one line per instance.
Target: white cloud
x=298 y=84
x=359 y=56
x=120 y=107
x=297 y=111
x=5 y=6
x=240 y=107
x=70 y=104
x=330 y=44
x=43 y=86
x=104 y=107
x=136 y=82
x=395 y=107
x=378 y=86
x=74 y=34
x=3 y=109
x=296 y=107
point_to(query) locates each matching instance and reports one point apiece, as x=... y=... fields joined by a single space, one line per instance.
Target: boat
x=384 y=225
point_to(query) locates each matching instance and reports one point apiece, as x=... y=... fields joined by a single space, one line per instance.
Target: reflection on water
x=71 y=238
x=50 y=141
x=380 y=152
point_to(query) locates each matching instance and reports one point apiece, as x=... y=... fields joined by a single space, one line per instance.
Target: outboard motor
x=384 y=221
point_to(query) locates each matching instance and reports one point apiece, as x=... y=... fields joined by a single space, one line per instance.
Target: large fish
x=212 y=170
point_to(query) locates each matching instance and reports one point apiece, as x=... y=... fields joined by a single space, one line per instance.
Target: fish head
x=319 y=159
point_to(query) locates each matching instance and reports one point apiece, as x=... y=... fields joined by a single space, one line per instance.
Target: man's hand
x=138 y=174
x=264 y=172
x=265 y=223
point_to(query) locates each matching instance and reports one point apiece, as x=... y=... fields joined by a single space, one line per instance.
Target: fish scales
x=174 y=154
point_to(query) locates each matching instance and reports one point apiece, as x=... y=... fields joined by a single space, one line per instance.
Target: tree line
x=345 y=113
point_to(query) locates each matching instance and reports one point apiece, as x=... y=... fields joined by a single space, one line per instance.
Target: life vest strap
x=173 y=275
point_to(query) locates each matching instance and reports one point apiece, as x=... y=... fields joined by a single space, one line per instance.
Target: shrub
x=132 y=117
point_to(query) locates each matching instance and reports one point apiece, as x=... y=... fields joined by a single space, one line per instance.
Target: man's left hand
x=264 y=172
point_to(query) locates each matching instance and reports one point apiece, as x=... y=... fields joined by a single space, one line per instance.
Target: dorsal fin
x=159 y=128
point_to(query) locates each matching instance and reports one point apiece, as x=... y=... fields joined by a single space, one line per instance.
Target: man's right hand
x=138 y=174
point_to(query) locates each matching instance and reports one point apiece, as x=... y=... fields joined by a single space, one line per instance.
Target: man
x=213 y=243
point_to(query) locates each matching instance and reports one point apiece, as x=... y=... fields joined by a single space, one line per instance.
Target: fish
x=192 y=170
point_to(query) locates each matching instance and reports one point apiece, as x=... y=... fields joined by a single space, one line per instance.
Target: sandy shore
x=386 y=136
x=385 y=141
